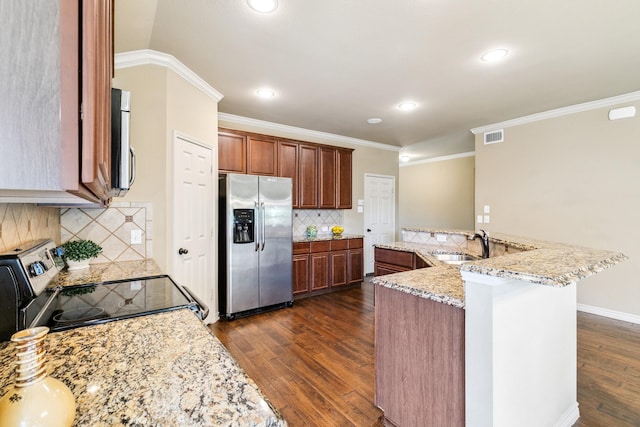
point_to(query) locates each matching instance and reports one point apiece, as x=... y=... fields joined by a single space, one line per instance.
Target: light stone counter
x=324 y=237
x=165 y=369
x=108 y=271
x=537 y=261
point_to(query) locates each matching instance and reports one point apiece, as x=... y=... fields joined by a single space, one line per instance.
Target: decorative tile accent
x=23 y=222
x=111 y=229
x=302 y=218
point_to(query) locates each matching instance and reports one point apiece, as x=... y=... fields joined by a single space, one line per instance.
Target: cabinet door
x=300 y=274
x=97 y=72
x=327 y=181
x=232 y=152
x=319 y=273
x=344 y=184
x=308 y=176
x=262 y=156
x=355 y=267
x=339 y=268
x=288 y=166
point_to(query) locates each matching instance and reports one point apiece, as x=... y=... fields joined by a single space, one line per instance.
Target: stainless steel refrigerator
x=255 y=260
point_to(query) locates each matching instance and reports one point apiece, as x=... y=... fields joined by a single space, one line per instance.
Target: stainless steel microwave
x=123 y=159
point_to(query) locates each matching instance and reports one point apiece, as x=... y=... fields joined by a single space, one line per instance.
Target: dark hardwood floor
x=315 y=362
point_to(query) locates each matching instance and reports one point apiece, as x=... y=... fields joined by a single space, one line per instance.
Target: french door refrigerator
x=255 y=245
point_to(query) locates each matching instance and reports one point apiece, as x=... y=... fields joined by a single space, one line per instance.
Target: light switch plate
x=487 y=209
x=360 y=209
x=360 y=202
x=486 y=219
x=479 y=219
x=136 y=237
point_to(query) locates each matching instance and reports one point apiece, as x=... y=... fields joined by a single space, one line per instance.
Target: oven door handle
x=203 y=307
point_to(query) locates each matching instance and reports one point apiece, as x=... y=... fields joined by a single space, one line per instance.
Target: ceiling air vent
x=494 y=136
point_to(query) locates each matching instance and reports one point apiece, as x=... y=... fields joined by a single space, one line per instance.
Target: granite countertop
x=541 y=262
x=324 y=237
x=161 y=369
x=108 y=271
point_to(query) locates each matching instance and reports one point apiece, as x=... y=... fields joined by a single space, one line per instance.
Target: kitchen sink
x=453 y=258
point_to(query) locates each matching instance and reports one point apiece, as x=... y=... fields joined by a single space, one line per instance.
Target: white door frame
x=367 y=247
x=211 y=299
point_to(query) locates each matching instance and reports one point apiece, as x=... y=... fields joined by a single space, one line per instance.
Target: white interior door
x=379 y=214
x=193 y=219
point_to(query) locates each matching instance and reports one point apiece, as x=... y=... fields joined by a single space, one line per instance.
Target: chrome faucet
x=484 y=238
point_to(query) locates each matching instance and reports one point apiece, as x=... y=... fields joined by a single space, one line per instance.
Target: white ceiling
x=336 y=63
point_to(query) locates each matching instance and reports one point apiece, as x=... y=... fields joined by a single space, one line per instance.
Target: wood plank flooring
x=315 y=362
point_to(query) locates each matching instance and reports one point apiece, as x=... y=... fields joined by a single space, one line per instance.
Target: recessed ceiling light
x=265 y=93
x=374 y=121
x=494 y=55
x=263 y=6
x=407 y=106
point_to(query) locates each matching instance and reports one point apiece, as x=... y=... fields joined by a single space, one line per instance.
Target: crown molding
x=439 y=159
x=147 y=56
x=301 y=132
x=558 y=112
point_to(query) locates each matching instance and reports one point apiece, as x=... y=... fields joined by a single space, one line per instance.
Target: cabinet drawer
x=321 y=246
x=300 y=248
x=339 y=245
x=399 y=258
x=355 y=243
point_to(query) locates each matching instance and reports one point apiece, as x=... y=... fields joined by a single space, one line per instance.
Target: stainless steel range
x=28 y=301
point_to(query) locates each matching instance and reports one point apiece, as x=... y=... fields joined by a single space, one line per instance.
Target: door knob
x=368 y=230
x=183 y=251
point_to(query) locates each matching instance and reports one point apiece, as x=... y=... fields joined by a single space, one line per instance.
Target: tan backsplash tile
x=23 y=222
x=111 y=228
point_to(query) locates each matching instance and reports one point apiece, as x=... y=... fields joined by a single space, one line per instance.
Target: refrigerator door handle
x=257 y=226
x=263 y=220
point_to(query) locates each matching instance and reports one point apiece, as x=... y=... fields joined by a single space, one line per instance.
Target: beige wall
x=571 y=179
x=366 y=159
x=162 y=102
x=438 y=194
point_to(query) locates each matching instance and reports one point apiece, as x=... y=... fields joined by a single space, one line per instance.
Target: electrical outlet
x=486 y=219
x=487 y=209
x=441 y=237
x=136 y=237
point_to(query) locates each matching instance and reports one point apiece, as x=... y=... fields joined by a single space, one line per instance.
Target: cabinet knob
x=183 y=251
x=368 y=230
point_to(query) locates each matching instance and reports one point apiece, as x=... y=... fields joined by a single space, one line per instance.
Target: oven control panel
x=41 y=265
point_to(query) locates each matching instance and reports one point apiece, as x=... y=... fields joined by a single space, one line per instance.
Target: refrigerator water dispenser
x=243 y=226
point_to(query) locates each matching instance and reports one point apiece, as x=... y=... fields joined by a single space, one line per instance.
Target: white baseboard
x=570 y=417
x=618 y=315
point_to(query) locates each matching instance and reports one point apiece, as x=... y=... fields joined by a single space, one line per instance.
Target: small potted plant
x=77 y=253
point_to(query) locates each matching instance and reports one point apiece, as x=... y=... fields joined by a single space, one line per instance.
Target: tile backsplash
x=110 y=228
x=22 y=222
x=318 y=217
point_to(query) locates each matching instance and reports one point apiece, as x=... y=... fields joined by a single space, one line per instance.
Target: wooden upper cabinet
x=262 y=157
x=308 y=176
x=232 y=152
x=344 y=184
x=288 y=166
x=97 y=72
x=327 y=178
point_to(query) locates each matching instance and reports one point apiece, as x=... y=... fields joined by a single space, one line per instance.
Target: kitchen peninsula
x=489 y=342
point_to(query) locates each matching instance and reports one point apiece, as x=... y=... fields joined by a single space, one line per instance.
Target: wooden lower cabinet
x=300 y=274
x=424 y=384
x=389 y=261
x=326 y=265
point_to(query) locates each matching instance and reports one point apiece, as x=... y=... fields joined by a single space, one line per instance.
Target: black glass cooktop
x=97 y=303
